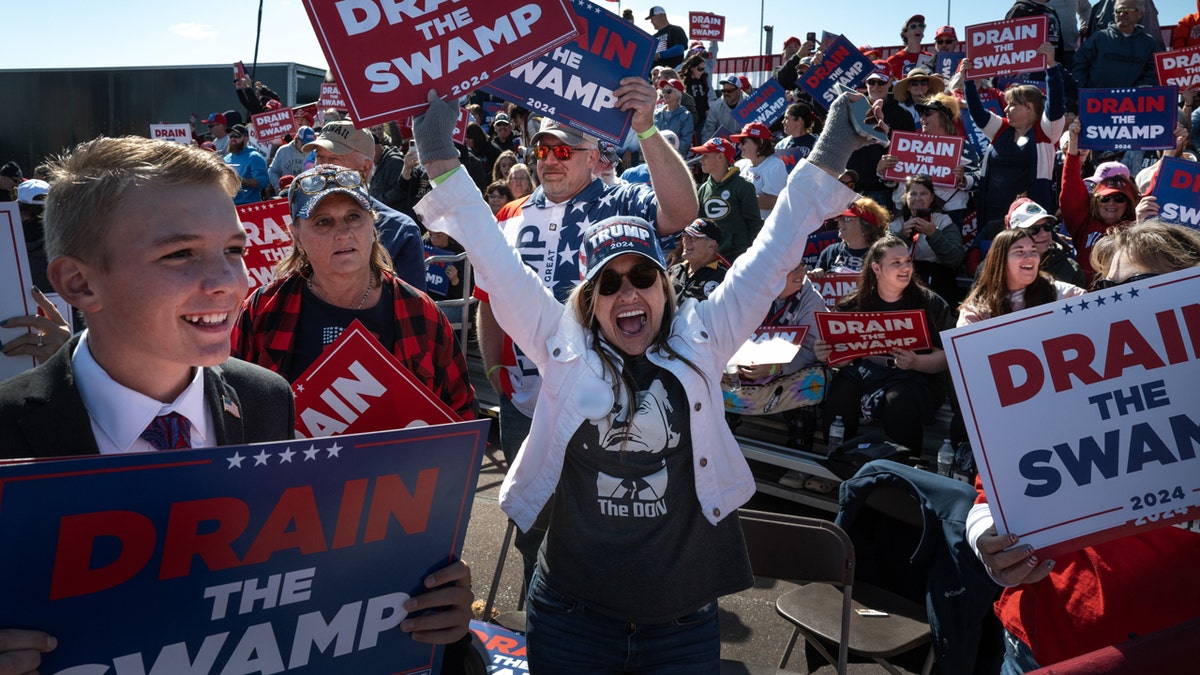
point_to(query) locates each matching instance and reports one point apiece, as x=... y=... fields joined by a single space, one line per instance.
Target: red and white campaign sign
x=1178 y=68
x=331 y=96
x=934 y=156
x=836 y=285
x=272 y=125
x=176 y=133
x=1082 y=413
x=358 y=386
x=1006 y=47
x=856 y=334
x=705 y=26
x=387 y=55
x=771 y=345
x=15 y=283
x=460 y=127
x=266 y=224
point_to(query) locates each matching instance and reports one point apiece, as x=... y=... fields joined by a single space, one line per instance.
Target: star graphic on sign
x=1099 y=300
x=311 y=453
x=1133 y=292
x=286 y=455
x=1067 y=309
x=236 y=460
x=1083 y=304
x=1116 y=296
x=333 y=450
x=299 y=389
x=261 y=458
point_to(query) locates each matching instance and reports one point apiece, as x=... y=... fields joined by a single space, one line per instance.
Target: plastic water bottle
x=945 y=459
x=837 y=432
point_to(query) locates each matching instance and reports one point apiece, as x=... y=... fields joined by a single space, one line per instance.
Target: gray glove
x=434 y=130
x=842 y=136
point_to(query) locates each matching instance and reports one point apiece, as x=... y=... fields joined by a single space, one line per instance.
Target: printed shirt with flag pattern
x=265 y=333
x=552 y=251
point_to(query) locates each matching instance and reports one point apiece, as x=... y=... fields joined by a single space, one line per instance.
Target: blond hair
x=91 y=181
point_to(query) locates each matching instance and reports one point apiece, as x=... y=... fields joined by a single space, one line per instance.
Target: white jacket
x=706 y=334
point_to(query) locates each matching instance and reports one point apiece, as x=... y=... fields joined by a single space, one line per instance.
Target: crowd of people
x=610 y=361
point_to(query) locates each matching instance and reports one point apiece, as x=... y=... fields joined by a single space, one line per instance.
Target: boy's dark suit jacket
x=42 y=415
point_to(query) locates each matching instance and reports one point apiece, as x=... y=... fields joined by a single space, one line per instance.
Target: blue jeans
x=1018 y=658
x=565 y=636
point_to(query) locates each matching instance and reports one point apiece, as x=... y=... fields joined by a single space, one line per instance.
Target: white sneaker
x=794 y=479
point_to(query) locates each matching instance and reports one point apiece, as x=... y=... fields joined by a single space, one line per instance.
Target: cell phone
x=923 y=214
x=811 y=37
x=412 y=144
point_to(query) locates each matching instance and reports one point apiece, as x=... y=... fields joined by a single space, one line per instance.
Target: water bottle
x=945 y=459
x=837 y=432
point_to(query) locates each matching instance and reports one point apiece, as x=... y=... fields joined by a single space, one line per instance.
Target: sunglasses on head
x=561 y=152
x=1116 y=197
x=317 y=182
x=642 y=275
x=1109 y=283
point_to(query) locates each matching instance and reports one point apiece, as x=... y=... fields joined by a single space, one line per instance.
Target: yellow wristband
x=643 y=135
x=492 y=370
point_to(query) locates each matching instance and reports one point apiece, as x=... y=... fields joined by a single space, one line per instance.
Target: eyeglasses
x=1039 y=227
x=1117 y=197
x=1119 y=12
x=316 y=182
x=916 y=25
x=1109 y=283
x=642 y=276
x=236 y=136
x=561 y=152
x=947 y=42
x=919 y=83
x=727 y=91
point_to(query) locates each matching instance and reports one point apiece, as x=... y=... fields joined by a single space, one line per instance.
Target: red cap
x=673 y=82
x=945 y=30
x=792 y=39
x=745 y=82
x=716 y=145
x=753 y=130
x=855 y=212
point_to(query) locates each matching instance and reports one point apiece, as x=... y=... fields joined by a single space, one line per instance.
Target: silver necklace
x=361 y=301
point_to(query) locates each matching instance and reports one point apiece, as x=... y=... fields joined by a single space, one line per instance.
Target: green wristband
x=643 y=135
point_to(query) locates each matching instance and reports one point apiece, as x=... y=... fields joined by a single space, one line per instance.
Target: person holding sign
x=1104 y=594
x=1089 y=215
x=937 y=246
x=336 y=272
x=1021 y=157
x=629 y=432
x=902 y=390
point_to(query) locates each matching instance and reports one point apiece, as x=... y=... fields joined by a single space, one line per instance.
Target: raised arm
x=673 y=186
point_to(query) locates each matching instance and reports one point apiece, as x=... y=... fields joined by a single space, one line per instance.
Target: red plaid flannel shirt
x=265 y=332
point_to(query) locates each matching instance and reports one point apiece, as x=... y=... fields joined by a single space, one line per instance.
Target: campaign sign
x=856 y=334
x=843 y=64
x=836 y=285
x=1127 y=119
x=765 y=105
x=705 y=26
x=15 y=284
x=792 y=156
x=574 y=83
x=331 y=96
x=436 y=279
x=946 y=64
x=273 y=125
x=266 y=224
x=934 y=156
x=387 y=55
x=770 y=345
x=239 y=70
x=1006 y=47
x=358 y=386
x=817 y=242
x=1177 y=189
x=176 y=133
x=1179 y=67
x=505 y=648
x=1082 y=413
x=460 y=127
x=265 y=558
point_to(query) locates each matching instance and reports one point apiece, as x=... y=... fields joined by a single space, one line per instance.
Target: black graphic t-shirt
x=626 y=534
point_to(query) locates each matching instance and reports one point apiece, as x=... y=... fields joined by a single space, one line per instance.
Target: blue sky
x=85 y=33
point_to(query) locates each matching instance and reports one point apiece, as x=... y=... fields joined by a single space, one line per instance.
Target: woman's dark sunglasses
x=1118 y=198
x=1039 y=227
x=642 y=276
x=561 y=152
x=1109 y=283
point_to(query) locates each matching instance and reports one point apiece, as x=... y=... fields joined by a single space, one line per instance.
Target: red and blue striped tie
x=169 y=432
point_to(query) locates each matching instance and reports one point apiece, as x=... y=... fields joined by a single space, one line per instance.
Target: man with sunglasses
x=547 y=230
x=911 y=33
x=250 y=165
x=721 y=107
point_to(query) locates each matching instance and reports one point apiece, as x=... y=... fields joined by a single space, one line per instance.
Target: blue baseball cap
x=617 y=236
x=306 y=135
